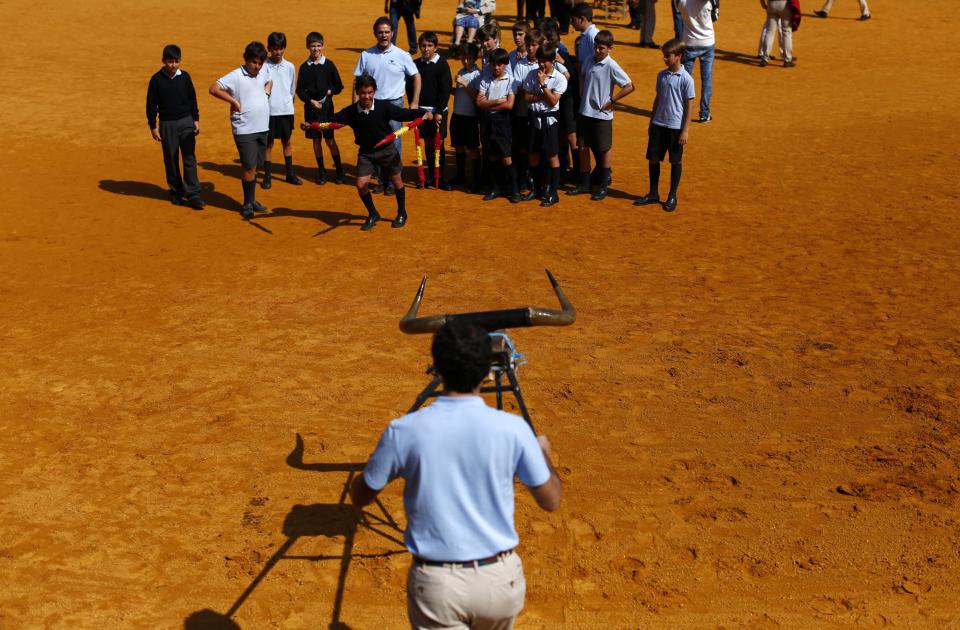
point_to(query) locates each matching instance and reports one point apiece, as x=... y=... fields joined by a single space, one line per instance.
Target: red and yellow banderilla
x=413 y=124
x=321 y=126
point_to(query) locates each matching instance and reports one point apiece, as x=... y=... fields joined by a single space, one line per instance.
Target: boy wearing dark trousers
x=542 y=90
x=465 y=122
x=435 y=88
x=247 y=89
x=670 y=124
x=317 y=83
x=170 y=95
x=370 y=121
x=283 y=76
x=495 y=97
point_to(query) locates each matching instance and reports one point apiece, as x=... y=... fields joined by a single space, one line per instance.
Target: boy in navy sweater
x=170 y=95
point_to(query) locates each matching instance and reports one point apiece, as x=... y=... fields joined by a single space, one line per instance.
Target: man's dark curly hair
x=461 y=354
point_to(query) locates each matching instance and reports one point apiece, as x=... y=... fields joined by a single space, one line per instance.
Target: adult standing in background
x=699 y=42
x=864 y=10
x=408 y=10
x=779 y=18
x=677 y=20
x=648 y=15
x=390 y=66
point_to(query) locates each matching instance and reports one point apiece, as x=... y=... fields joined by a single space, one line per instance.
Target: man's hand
x=683 y=136
x=196 y=127
x=155 y=133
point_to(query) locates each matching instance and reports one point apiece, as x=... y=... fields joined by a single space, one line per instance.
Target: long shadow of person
x=331 y=218
x=149 y=190
x=320 y=519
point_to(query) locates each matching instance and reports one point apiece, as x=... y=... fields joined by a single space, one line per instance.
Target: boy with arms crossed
x=247 y=89
x=542 y=89
x=283 y=76
x=495 y=97
x=170 y=95
x=599 y=74
x=670 y=124
x=317 y=83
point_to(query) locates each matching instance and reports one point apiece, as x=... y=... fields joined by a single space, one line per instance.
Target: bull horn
x=492 y=320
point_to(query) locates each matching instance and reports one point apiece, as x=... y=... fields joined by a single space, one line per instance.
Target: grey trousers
x=177 y=138
x=778 y=18
x=649 y=21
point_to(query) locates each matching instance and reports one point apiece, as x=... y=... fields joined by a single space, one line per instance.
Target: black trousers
x=178 y=140
x=560 y=10
x=536 y=9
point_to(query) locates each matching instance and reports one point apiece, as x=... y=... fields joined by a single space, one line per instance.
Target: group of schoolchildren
x=515 y=115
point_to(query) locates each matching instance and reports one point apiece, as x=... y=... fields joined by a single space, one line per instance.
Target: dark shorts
x=370 y=162
x=568 y=113
x=544 y=141
x=251 y=147
x=594 y=133
x=323 y=115
x=661 y=140
x=281 y=127
x=521 y=134
x=497 y=135
x=465 y=131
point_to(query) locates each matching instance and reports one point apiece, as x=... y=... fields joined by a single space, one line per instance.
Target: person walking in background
x=864 y=10
x=699 y=43
x=779 y=17
x=408 y=10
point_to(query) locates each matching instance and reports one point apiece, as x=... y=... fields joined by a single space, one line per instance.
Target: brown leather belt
x=466 y=564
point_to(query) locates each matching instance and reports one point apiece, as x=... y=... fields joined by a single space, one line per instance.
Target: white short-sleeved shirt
x=254 y=114
x=598 y=81
x=673 y=90
x=459 y=458
x=697 y=22
x=556 y=82
x=463 y=103
x=494 y=88
x=389 y=68
x=284 y=78
x=520 y=72
x=585 y=45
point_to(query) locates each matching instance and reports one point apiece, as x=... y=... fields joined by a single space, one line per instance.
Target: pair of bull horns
x=492 y=320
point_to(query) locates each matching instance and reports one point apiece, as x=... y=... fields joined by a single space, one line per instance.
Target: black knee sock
x=476 y=164
x=585 y=180
x=336 y=163
x=320 y=166
x=564 y=161
x=367 y=200
x=461 y=166
x=675 y=171
x=512 y=179
x=604 y=177
x=655 y=179
x=249 y=191
x=555 y=179
x=266 y=168
x=401 y=195
x=288 y=163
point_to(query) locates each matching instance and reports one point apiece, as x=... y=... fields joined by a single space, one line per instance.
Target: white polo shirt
x=389 y=68
x=284 y=77
x=520 y=72
x=494 y=88
x=254 y=114
x=697 y=23
x=598 y=81
x=463 y=104
x=555 y=82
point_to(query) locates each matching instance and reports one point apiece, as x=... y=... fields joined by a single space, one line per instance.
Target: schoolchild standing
x=247 y=89
x=465 y=123
x=282 y=74
x=170 y=94
x=435 y=88
x=318 y=81
x=542 y=90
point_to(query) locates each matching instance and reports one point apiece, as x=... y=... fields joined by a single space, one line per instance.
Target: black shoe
x=369 y=223
x=247 y=212
x=321 y=178
x=578 y=191
x=340 y=178
x=267 y=182
x=600 y=195
x=389 y=190
x=549 y=201
x=176 y=199
x=764 y=63
x=400 y=221
x=705 y=118
x=820 y=14
x=864 y=17
x=493 y=194
x=533 y=194
x=293 y=179
x=196 y=203
x=670 y=204
x=445 y=185
x=790 y=64
x=259 y=207
x=646 y=200
x=515 y=198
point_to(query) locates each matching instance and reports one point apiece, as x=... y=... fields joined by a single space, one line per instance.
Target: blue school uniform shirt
x=673 y=89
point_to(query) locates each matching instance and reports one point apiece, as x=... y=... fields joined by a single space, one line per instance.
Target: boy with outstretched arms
x=542 y=90
x=247 y=89
x=600 y=75
x=282 y=74
x=171 y=96
x=370 y=121
x=435 y=88
x=495 y=98
x=465 y=122
x=318 y=81
x=670 y=124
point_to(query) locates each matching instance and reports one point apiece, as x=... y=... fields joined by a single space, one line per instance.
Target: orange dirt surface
x=755 y=414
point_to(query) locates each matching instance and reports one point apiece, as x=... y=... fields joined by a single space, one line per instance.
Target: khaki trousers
x=452 y=596
x=864 y=9
x=778 y=18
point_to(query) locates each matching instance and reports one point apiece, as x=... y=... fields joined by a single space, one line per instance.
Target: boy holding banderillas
x=370 y=124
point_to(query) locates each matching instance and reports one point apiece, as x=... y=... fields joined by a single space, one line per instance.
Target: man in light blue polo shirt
x=389 y=66
x=459 y=458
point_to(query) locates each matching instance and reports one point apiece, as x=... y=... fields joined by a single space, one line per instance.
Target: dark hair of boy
x=429 y=36
x=364 y=81
x=582 y=10
x=671 y=47
x=254 y=50
x=548 y=23
x=547 y=52
x=521 y=25
x=500 y=57
x=551 y=35
x=381 y=21
x=470 y=50
x=533 y=36
x=488 y=31
x=603 y=38
x=461 y=354
x=171 y=51
x=276 y=40
x=314 y=36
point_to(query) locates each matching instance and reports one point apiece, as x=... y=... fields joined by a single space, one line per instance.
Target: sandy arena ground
x=755 y=415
